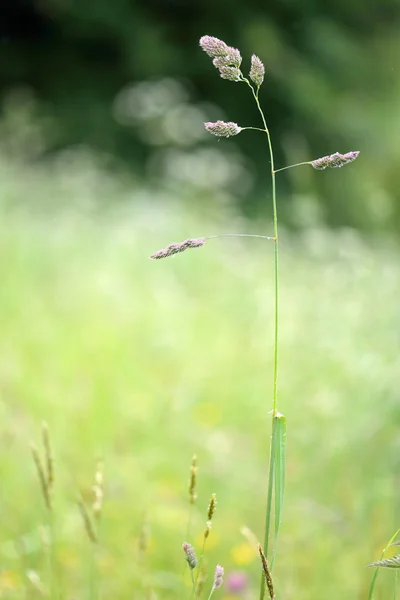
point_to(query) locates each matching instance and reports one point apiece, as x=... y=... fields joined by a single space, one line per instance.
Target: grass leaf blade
x=280 y=469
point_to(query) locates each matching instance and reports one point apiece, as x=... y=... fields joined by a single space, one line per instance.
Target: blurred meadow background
x=139 y=364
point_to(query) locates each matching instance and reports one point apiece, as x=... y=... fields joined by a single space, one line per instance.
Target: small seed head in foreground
x=223 y=129
x=257 y=70
x=334 y=160
x=48 y=456
x=193 y=480
x=177 y=247
x=87 y=522
x=212 y=507
x=42 y=477
x=190 y=555
x=218 y=577
x=98 y=491
x=267 y=573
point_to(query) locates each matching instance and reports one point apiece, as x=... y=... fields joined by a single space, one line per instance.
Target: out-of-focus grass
x=145 y=363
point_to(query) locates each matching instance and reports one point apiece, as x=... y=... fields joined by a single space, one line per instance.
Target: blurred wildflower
x=257 y=70
x=334 y=160
x=222 y=128
x=243 y=554
x=237 y=582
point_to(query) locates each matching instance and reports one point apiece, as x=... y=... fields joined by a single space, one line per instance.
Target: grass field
x=140 y=364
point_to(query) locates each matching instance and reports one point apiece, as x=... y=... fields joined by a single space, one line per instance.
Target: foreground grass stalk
x=227 y=61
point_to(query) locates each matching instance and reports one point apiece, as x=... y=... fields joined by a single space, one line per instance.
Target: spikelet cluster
x=257 y=70
x=334 y=160
x=177 y=247
x=225 y=58
x=222 y=128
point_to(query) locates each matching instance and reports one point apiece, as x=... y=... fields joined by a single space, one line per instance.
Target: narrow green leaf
x=388 y=563
x=374 y=578
x=280 y=468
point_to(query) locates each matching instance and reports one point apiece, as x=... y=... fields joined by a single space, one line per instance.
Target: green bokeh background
x=141 y=364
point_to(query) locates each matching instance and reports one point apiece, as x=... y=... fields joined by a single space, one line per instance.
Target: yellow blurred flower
x=243 y=554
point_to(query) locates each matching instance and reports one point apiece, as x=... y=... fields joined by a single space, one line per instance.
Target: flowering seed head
x=190 y=555
x=334 y=160
x=230 y=73
x=257 y=70
x=177 y=247
x=223 y=129
x=213 y=46
x=218 y=577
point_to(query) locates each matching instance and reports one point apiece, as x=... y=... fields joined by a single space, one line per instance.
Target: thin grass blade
x=280 y=470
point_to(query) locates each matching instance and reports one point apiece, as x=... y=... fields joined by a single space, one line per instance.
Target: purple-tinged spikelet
x=218 y=577
x=226 y=59
x=222 y=128
x=190 y=555
x=230 y=73
x=334 y=160
x=177 y=247
x=257 y=70
x=213 y=46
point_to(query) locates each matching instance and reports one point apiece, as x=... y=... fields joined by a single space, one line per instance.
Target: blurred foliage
x=141 y=364
x=332 y=85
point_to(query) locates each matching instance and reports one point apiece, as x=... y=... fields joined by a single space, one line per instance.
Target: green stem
x=265 y=237
x=292 y=166
x=254 y=129
x=268 y=515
